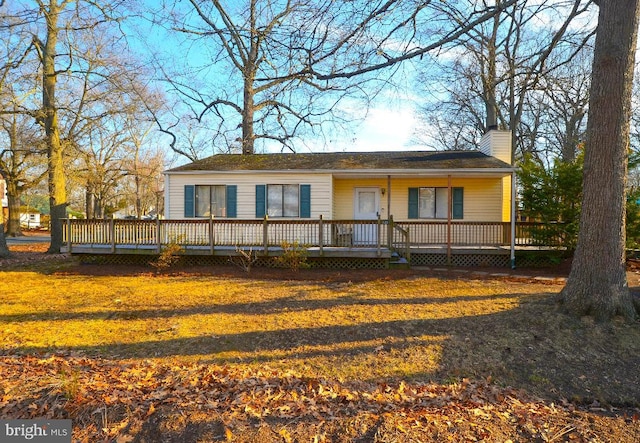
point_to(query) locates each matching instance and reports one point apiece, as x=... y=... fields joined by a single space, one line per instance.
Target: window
x=203 y=201
x=283 y=200
x=211 y=201
x=432 y=202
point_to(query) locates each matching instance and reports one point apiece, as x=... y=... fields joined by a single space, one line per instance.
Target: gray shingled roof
x=336 y=161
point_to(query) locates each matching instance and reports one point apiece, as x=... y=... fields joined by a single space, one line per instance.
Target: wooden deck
x=229 y=251
x=321 y=238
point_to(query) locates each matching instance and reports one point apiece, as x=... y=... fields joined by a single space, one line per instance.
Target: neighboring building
x=30 y=220
x=3 y=198
x=407 y=185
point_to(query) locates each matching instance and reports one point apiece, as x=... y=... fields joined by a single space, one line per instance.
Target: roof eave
x=356 y=172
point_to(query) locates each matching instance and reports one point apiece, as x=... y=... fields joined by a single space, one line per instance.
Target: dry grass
x=391 y=328
x=414 y=328
x=383 y=329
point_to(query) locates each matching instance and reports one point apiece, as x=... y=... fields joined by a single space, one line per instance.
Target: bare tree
x=99 y=168
x=102 y=120
x=260 y=96
x=52 y=27
x=560 y=110
x=494 y=76
x=19 y=137
x=143 y=189
x=597 y=283
x=285 y=67
x=47 y=49
x=20 y=163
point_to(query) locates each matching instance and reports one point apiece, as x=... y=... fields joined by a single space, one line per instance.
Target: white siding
x=497 y=144
x=321 y=190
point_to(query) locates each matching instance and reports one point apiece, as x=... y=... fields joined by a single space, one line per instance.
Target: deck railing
x=212 y=233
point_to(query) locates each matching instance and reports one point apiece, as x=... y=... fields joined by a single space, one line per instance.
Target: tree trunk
x=4 y=249
x=249 y=72
x=88 y=201
x=98 y=206
x=136 y=177
x=597 y=283
x=247 y=119
x=57 y=182
x=491 y=103
x=13 y=199
x=572 y=138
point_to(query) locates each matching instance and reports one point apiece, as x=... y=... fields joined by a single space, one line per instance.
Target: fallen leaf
x=285 y=435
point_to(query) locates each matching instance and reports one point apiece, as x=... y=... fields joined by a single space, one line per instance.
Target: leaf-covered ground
x=148 y=401
x=215 y=355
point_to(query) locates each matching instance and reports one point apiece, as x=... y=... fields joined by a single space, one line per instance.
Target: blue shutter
x=261 y=201
x=457 y=206
x=413 y=202
x=189 y=201
x=305 y=201
x=232 y=201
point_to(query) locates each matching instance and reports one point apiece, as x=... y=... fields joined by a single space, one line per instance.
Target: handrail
x=319 y=233
x=404 y=234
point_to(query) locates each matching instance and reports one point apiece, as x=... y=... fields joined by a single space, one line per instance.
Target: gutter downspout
x=449 y=208
x=389 y=216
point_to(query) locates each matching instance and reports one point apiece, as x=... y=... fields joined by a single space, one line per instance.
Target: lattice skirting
x=116 y=259
x=484 y=260
x=529 y=259
x=204 y=260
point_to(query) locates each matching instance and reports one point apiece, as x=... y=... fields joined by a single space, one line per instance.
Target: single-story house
x=408 y=185
x=424 y=207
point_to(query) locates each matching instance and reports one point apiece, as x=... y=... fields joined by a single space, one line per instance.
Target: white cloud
x=384 y=129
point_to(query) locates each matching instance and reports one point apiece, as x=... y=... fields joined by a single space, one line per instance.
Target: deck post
x=390 y=232
x=513 y=220
x=320 y=236
x=407 y=247
x=69 y=235
x=211 y=240
x=158 y=236
x=112 y=233
x=265 y=234
x=379 y=252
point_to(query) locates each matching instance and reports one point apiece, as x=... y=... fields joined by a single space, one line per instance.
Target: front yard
x=322 y=356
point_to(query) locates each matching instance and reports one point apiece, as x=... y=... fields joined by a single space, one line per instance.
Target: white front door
x=366 y=207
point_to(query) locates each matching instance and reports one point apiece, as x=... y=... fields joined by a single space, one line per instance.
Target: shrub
x=169 y=256
x=552 y=196
x=633 y=219
x=245 y=259
x=294 y=256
